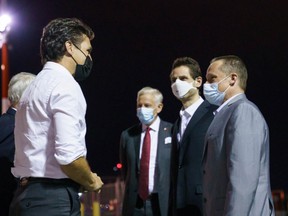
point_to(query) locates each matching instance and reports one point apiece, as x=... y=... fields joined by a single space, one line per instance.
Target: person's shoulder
x=11 y=111
x=245 y=104
x=8 y=115
x=132 y=129
x=166 y=123
x=210 y=106
x=66 y=85
x=167 y=126
x=7 y=123
x=4 y=117
x=245 y=107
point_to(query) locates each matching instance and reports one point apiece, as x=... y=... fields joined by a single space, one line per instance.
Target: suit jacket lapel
x=137 y=145
x=199 y=113
x=161 y=137
x=239 y=97
x=218 y=115
x=175 y=132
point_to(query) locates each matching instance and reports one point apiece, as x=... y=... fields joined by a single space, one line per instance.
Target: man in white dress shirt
x=50 y=157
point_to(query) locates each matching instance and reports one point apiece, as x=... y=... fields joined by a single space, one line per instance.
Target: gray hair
x=17 y=86
x=155 y=92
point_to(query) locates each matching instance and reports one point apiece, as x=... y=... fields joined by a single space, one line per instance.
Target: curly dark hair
x=57 y=32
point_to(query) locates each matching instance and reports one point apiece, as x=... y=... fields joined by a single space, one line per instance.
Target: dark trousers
x=189 y=210
x=149 y=207
x=6 y=199
x=45 y=197
x=8 y=185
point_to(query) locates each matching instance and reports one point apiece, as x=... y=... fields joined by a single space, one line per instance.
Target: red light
x=119 y=165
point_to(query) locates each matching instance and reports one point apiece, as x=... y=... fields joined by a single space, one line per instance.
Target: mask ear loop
x=227 y=88
x=68 y=45
x=80 y=50
x=223 y=79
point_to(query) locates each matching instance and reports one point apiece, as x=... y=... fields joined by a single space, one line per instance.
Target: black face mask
x=83 y=71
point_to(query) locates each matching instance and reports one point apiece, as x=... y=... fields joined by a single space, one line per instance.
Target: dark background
x=135 y=45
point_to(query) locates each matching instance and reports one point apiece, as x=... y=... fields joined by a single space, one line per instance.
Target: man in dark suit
x=149 y=105
x=189 y=131
x=17 y=85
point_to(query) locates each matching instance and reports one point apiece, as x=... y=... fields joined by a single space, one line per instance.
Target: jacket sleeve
x=244 y=139
x=122 y=155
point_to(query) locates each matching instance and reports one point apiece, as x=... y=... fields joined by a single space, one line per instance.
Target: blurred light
x=119 y=165
x=5 y=21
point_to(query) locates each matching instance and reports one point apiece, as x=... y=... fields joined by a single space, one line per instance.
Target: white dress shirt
x=50 y=124
x=153 y=152
x=186 y=116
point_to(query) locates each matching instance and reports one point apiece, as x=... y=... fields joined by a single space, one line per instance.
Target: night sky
x=135 y=45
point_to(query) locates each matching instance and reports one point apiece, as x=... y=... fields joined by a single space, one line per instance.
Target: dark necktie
x=144 y=166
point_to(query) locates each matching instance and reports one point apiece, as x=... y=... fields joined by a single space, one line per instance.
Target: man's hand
x=97 y=183
x=80 y=172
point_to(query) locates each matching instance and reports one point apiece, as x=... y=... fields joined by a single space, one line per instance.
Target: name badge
x=168 y=140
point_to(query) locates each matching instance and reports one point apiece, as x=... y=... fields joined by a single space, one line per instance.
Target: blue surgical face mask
x=212 y=94
x=145 y=115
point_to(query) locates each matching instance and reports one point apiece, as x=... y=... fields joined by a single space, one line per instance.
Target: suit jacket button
x=205 y=200
x=180 y=166
x=204 y=171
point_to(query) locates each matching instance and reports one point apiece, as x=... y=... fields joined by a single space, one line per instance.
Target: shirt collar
x=189 y=111
x=56 y=66
x=226 y=102
x=154 y=126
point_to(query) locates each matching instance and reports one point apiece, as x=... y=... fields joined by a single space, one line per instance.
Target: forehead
x=146 y=98
x=181 y=71
x=213 y=68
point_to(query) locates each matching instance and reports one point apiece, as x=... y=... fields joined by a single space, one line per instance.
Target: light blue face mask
x=212 y=94
x=145 y=115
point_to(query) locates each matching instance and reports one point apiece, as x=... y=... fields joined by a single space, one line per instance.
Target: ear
x=234 y=78
x=69 y=47
x=159 y=107
x=198 y=81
